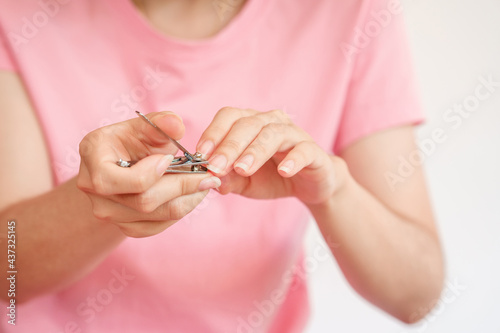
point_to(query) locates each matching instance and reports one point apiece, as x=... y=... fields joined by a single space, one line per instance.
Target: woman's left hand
x=264 y=155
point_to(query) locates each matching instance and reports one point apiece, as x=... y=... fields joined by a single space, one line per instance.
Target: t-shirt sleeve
x=382 y=92
x=6 y=62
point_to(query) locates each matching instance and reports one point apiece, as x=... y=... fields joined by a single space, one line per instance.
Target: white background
x=454 y=42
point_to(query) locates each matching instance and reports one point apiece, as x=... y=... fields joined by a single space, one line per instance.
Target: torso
x=98 y=62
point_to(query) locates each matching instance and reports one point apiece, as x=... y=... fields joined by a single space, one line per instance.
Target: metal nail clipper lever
x=189 y=163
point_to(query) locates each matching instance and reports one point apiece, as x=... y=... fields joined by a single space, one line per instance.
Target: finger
x=107 y=178
x=233 y=183
x=167 y=121
x=306 y=154
x=111 y=211
x=274 y=138
x=241 y=133
x=218 y=128
x=140 y=137
x=251 y=187
x=134 y=139
x=166 y=189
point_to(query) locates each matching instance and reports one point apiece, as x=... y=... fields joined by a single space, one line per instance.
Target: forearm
x=58 y=240
x=392 y=261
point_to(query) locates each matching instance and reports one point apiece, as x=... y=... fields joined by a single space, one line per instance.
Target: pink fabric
x=231 y=265
x=6 y=62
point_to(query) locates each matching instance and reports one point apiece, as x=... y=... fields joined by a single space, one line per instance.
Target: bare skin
x=389 y=248
x=194 y=19
x=33 y=201
x=64 y=234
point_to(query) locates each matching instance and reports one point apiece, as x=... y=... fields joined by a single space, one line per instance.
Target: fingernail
x=217 y=164
x=162 y=166
x=208 y=183
x=245 y=163
x=287 y=167
x=206 y=148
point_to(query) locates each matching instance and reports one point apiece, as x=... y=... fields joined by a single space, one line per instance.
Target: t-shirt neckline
x=140 y=28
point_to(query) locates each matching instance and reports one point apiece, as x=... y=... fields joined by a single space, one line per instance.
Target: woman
x=335 y=75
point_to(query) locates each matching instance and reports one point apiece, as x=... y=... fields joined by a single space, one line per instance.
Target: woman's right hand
x=140 y=200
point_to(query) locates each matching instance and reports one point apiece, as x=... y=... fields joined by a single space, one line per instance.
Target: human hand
x=139 y=200
x=265 y=155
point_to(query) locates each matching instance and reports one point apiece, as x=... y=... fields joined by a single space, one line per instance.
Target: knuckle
x=278 y=112
x=303 y=147
x=227 y=109
x=231 y=145
x=98 y=184
x=91 y=140
x=159 y=227
x=224 y=190
x=280 y=115
x=146 y=202
x=275 y=128
x=342 y=164
x=258 y=148
x=262 y=140
x=306 y=145
x=94 y=137
x=178 y=209
x=141 y=182
x=131 y=231
x=188 y=185
x=232 y=110
x=111 y=129
x=213 y=132
x=303 y=133
x=82 y=183
x=85 y=148
x=300 y=154
x=101 y=213
x=246 y=122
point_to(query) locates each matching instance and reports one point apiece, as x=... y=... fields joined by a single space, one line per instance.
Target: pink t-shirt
x=341 y=70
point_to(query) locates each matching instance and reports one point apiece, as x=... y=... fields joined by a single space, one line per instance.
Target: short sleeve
x=6 y=62
x=382 y=92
